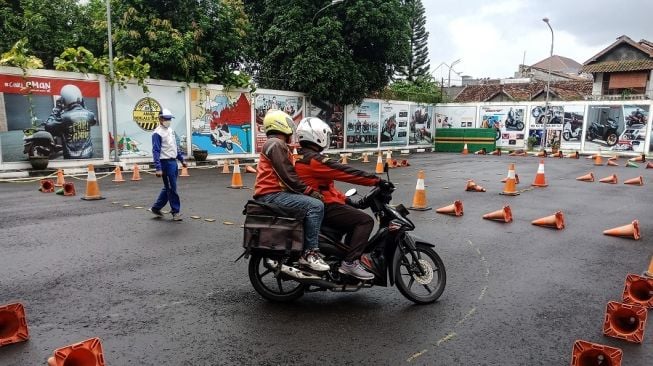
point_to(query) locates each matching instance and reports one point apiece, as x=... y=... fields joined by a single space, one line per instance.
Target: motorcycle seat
x=332 y=233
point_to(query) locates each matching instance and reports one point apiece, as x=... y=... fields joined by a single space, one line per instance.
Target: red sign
x=16 y=84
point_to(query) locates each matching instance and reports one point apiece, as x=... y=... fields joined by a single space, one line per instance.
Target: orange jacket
x=319 y=173
x=275 y=172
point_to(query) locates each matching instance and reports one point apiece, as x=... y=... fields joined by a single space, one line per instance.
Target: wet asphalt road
x=159 y=292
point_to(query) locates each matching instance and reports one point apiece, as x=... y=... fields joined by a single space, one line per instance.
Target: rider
x=277 y=183
x=73 y=122
x=320 y=173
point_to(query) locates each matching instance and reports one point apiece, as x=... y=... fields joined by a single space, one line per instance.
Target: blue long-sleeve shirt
x=165 y=145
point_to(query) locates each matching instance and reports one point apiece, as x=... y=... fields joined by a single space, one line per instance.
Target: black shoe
x=157 y=212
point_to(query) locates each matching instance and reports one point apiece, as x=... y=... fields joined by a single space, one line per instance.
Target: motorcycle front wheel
x=566 y=135
x=520 y=126
x=420 y=288
x=271 y=287
x=611 y=139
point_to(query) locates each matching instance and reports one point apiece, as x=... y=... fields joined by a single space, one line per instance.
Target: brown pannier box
x=273 y=227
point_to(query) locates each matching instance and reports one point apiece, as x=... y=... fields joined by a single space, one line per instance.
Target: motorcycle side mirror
x=351 y=192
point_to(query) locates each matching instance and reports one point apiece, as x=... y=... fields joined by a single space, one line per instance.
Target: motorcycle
x=572 y=129
x=37 y=142
x=514 y=124
x=393 y=255
x=606 y=132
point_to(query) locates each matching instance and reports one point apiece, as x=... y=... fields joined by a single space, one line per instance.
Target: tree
x=351 y=51
x=422 y=90
x=418 y=65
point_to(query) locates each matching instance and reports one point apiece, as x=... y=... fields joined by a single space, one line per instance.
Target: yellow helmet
x=276 y=120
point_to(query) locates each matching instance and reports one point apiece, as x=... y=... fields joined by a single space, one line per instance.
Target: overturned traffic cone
x=482 y=151
x=13 y=326
x=136 y=173
x=236 y=178
x=465 y=151
x=573 y=155
x=405 y=163
x=557 y=155
x=184 y=172
x=60 y=179
x=639 y=159
x=496 y=152
x=591 y=354
x=509 y=187
x=379 y=164
x=394 y=163
x=69 y=189
x=366 y=157
x=627 y=231
x=46 y=185
x=419 y=198
x=225 y=167
x=473 y=187
x=503 y=215
x=637 y=181
x=625 y=321
x=86 y=353
x=612 y=179
x=343 y=159
x=638 y=290
x=649 y=165
x=250 y=169
x=540 y=179
x=117 y=175
x=92 y=186
x=612 y=162
x=589 y=177
x=598 y=160
x=541 y=154
x=454 y=209
x=557 y=220
x=630 y=164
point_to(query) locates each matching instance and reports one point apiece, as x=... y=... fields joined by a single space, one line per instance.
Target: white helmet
x=314 y=130
x=70 y=94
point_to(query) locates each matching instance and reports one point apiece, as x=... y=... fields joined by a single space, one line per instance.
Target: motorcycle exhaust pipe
x=293 y=272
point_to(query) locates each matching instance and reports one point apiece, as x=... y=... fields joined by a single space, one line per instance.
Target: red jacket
x=319 y=172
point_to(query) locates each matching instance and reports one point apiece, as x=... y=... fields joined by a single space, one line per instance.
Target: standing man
x=72 y=122
x=166 y=152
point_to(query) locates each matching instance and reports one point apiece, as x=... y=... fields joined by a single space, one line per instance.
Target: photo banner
x=293 y=105
x=363 y=125
x=137 y=115
x=394 y=124
x=554 y=125
x=455 y=117
x=632 y=139
x=221 y=123
x=605 y=123
x=333 y=115
x=508 y=121
x=33 y=109
x=421 y=124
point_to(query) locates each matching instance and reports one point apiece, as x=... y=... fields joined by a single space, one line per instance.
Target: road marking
x=446 y=338
x=480 y=297
x=411 y=358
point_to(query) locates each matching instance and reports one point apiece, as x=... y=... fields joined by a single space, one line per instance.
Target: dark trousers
x=169 y=191
x=357 y=224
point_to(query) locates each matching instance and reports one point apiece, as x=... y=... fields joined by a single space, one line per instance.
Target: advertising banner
x=455 y=117
x=394 y=124
x=508 y=121
x=334 y=116
x=221 y=123
x=293 y=105
x=42 y=116
x=554 y=125
x=363 y=125
x=137 y=115
x=605 y=123
x=632 y=139
x=421 y=124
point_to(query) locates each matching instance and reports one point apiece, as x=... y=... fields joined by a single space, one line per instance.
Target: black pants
x=357 y=224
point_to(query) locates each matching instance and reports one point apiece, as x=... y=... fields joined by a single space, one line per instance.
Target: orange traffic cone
x=388 y=157
x=612 y=162
x=473 y=187
x=184 y=171
x=649 y=165
x=136 y=174
x=556 y=220
x=637 y=181
x=516 y=179
x=366 y=157
x=92 y=186
x=589 y=177
x=60 y=178
x=46 y=185
x=504 y=215
x=482 y=151
x=379 y=164
x=541 y=154
x=573 y=155
x=343 y=159
x=250 y=169
x=598 y=160
x=465 y=152
x=628 y=231
x=225 y=167
x=613 y=157
x=496 y=152
x=611 y=179
x=625 y=321
x=509 y=187
x=13 y=326
x=419 y=198
x=236 y=178
x=117 y=175
x=638 y=290
x=557 y=155
x=639 y=159
x=587 y=354
x=454 y=209
x=69 y=189
x=540 y=179
x=649 y=271
x=405 y=163
x=394 y=163
x=86 y=353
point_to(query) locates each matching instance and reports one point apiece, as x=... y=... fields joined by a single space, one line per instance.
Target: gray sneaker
x=312 y=260
x=156 y=212
x=355 y=269
x=176 y=216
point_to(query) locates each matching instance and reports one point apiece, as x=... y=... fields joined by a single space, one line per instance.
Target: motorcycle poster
x=632 y=139
x=293 y=105
x=137 y=115
x=221 y=123
x=421 y=125
x=36 y=121
x=553 y=116
x=334 y=116
x=394 y=124
x=508 y=121
x=363 y=125
x=455 y=117
x=605 y=123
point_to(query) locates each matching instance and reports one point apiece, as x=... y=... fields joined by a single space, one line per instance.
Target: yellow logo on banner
x=146 y=113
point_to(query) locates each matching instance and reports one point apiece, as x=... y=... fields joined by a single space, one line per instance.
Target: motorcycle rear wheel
x=270 y=287
x=611 y=139
x=566 y=135
x=421 y=289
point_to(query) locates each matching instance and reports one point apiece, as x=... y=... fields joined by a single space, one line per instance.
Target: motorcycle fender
x=393 y=268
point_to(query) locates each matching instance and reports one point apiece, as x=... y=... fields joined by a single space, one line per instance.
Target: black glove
x=355 y=204
x=385 y=185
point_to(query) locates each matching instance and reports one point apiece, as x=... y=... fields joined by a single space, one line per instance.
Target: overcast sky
x=490 y=40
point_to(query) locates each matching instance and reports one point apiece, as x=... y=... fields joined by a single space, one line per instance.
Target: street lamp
x=451 y=67
x=333 y=2
x=547 y=115
x=112 y=75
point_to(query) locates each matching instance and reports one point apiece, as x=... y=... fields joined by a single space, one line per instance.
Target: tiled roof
x=616 y=66
x=564 y=90
x=559 y=63
x=643 y=45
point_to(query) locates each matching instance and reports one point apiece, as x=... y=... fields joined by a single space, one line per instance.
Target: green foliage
x=418 y=65
x=422 y=90
x=19 y=56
